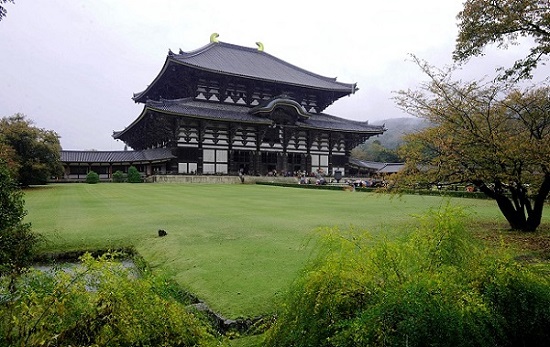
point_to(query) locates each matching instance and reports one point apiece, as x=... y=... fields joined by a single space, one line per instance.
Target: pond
x=68 y=266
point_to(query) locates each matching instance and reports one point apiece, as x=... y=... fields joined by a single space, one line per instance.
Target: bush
x=133 y=175
x=435 y=288
x=92 y=177
x=118 y=176
x=99 y=303
x=17 y=241
x=522 y=300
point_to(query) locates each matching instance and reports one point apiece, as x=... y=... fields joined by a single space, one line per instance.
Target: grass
x=237 y=247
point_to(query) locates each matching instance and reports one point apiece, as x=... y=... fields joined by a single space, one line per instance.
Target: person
x=241 y=174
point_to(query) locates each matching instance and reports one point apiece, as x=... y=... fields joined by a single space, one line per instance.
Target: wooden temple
x=225 y=109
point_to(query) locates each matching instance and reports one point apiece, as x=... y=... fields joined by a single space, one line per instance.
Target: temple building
x=224 y=109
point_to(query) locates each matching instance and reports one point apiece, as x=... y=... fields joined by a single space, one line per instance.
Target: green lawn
x=237 y=247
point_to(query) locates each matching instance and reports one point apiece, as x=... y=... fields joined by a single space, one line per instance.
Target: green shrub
x=133 y=175
x=92 y=177
x=521 y=298
x=101 y=304
x=437 y=287
x=118 y=176
x=17 y=241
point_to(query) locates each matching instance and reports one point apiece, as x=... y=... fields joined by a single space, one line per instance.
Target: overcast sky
x=72 y=65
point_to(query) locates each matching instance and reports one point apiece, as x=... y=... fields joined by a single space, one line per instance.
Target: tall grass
x=437 y=287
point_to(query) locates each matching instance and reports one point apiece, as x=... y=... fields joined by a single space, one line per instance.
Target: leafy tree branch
x=503 y=22
x=492 y=135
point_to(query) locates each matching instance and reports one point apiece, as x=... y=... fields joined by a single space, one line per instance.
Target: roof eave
x=117 y=134
x=139 y=97
x=352 y=131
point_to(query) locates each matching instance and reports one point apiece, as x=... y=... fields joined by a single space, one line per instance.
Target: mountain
x=397 y=127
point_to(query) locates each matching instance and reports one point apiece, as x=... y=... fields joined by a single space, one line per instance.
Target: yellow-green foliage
x=436 y=288
x=97 y=304
x=17 y=241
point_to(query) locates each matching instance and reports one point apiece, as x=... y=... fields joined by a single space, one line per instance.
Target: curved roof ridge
x=198 y=50
x=366 y=122
x=281 y=100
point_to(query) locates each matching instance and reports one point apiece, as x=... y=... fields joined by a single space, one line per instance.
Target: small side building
x=77 y=164
x=364 y=168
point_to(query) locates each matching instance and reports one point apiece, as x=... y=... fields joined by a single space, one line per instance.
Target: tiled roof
x=328 y=122
x=392 y=168
x=373 y=165
x=230 y=59
x=237 y=113
x=202 y=109
x=377 y=166
x=156 y=154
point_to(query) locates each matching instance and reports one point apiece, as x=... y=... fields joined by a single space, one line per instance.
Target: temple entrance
x=296 y=162
x=269 y=163
x=242 y=162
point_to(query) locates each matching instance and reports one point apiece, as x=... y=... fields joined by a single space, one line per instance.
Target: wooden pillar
x=200 y=160
x=232 y=169
x=257 y=165
x=347 y=153
x=260 y=133
x=252 y=163
x=287 y=135
x=309 y=143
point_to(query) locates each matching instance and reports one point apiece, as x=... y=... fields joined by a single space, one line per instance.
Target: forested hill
x=397 y=127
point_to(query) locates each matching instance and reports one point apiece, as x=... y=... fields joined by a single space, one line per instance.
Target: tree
x=3 y=10
x=133 y=175
x=375 y=151
x=33 y=152
x=9 y=156
x=502 y=22
x=17 y=241
x=486 y=134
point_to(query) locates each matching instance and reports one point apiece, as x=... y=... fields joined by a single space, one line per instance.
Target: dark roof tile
x=226 y=58
x=211 y=110
x=237 y=113
x=156 y=154
x=377 y=166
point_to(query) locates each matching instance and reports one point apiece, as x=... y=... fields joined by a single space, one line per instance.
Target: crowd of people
x=319 y=178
